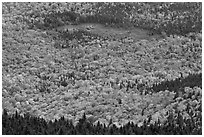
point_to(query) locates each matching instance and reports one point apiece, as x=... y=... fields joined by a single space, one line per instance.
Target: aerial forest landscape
x=101 y=68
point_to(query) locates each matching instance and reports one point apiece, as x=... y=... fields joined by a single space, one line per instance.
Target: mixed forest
x=101 y=68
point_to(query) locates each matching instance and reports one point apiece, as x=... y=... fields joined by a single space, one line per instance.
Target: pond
x=111 y=32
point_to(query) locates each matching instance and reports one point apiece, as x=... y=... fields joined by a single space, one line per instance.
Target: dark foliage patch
x=179 y=84
x=29 y=125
